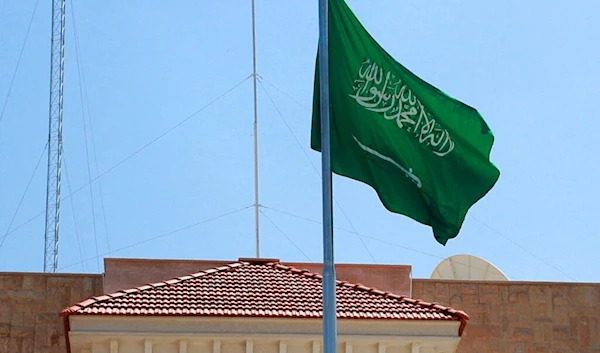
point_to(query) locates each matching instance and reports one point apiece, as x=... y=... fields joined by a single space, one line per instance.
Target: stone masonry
x=29 y=307
x=521 y=317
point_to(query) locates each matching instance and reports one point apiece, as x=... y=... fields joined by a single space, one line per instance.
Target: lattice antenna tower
x=55 y=147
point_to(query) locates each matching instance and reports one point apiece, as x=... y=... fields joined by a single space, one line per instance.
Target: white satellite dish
x=467 y=267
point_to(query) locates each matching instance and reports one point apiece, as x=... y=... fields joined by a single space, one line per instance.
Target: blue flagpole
x=329 y=307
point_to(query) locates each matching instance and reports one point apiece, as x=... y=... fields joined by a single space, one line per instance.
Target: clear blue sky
x=530 y=67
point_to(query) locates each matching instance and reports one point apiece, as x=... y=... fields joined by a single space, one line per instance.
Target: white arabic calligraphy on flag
x=382 y=92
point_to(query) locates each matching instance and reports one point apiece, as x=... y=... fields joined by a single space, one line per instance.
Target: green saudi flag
x=425 y=153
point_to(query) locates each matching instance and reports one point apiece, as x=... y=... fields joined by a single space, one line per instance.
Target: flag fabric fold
x=425 y=154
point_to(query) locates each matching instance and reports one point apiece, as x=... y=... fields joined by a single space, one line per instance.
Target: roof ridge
x=97 y=299
x=372 y=290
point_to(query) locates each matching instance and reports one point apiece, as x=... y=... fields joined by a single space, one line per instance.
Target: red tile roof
x=257 y=288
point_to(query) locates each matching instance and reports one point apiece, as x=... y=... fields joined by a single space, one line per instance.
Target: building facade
x=256 y=305
x=513 y=317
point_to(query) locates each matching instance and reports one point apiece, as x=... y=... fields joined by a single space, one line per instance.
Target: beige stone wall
x=521 y=317
x=29 y=307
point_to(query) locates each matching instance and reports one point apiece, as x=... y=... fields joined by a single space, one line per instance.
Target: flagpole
x=255 y=76
x=329 y=294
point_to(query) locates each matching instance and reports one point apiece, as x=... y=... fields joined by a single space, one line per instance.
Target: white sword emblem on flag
x=408 y=172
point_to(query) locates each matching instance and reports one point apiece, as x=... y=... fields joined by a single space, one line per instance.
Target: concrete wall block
x=27 y=305
x=27 y=345
x=4 y=329
x=453 y=289
x=539 y=348
x=483 y=332
x=518 y=297
x=428 y=297
x=540 y=294
x=542 y=311
x=16 y=319
x=468 y=300
x=516 y=347
x=562 y=333
x=469 y=288
x=543 y=333
x=490 y=346
x=522 y=334
x=417 y=287
x=490 y=289
x=442 y=290
x=11 y=345
x=504 y=294
x=519 y=287
x=11 y=280
x=456 y=300
x=6 y=312
x=584 y=295
x=25 y=332
x=560 y=296
x=45 y=318
x=29 y=319
x=61 y=281
x=594 y=324
x=583 y=332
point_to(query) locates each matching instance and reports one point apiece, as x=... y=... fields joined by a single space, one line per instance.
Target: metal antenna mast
x=255 y=76
x=57 y=68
